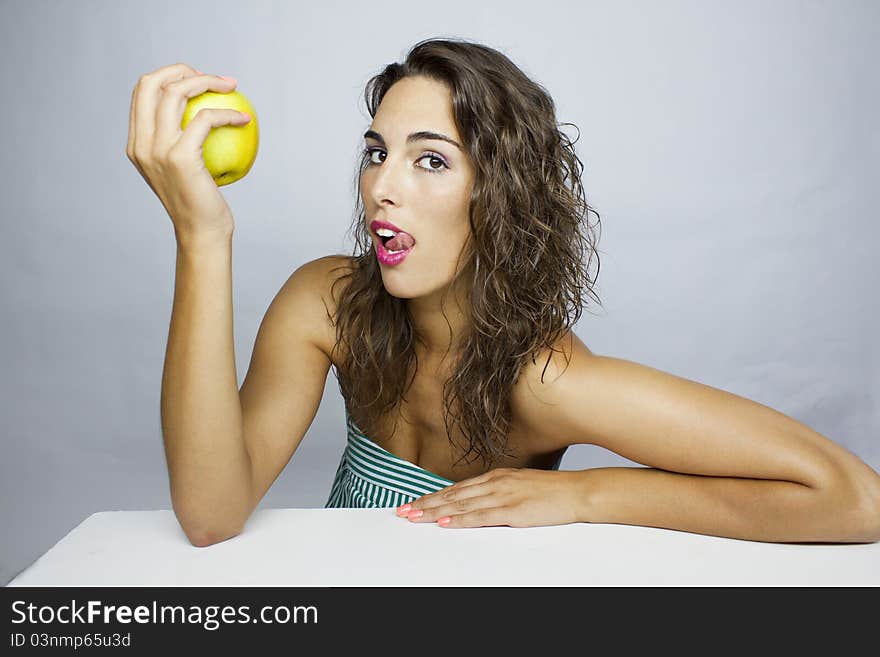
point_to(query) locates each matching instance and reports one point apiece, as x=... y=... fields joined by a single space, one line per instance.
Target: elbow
x=202 y=538
x=204 y=535
x=863 y=507
x=203 y=532
x=871 y=508
x=870 y=528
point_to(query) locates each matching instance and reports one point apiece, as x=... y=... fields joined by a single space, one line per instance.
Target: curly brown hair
x=527 y=258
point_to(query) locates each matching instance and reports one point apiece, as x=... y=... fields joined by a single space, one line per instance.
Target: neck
x=439 y=323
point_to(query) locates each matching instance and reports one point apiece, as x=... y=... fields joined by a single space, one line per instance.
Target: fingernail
x=198 y=71
x=415 y=514
x=404 y=509
x=445 y=520
x=229 y=79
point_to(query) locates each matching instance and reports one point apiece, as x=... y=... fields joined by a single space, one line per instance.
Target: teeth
x=384 y=232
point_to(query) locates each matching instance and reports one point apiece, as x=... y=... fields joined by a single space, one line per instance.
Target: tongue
x=400 y=242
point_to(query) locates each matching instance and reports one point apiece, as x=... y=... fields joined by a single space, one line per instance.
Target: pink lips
x=390 y=259
x=382 y=253
x=376 y=224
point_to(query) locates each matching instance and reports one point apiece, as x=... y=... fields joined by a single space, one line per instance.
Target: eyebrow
x=421 y=135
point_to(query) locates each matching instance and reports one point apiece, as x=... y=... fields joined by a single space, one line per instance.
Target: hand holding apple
x=173 y=153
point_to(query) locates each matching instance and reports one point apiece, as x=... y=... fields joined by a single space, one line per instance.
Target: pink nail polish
x=445 y=520
x=418 y=513
x=404 y=509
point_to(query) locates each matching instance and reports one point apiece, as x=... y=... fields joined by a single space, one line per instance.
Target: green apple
x=230 y=150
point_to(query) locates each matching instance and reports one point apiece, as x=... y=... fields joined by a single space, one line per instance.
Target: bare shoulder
x=541 y=389
x=538 y=378
x=312 y=293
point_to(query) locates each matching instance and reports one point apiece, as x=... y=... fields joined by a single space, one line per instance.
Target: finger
x=148 y=93
x=129 y=147
x=433 y=499
x=451 y=495
x=488 y=517
x=173 y=104
x=456 y=507
x=205 y=120
x=132 y=150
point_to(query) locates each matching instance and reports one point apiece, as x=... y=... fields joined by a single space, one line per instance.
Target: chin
x=397 y=290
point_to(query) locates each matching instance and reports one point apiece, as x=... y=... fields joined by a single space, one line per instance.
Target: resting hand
x=517 y=497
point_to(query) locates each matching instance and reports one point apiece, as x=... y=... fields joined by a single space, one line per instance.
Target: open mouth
x=395 y=242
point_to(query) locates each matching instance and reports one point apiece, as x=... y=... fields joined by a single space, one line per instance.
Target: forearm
x=751 y=509
x=209 y=468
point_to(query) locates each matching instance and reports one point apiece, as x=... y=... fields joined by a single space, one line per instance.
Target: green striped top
x=369 y=476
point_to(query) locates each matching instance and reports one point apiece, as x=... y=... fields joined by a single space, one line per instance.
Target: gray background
x=731 y=149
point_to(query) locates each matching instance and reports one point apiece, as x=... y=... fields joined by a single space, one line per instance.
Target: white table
x=373 y=547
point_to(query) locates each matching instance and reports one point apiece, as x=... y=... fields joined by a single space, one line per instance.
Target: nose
x=385 y=180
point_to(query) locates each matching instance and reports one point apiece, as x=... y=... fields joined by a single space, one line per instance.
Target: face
x=423 y=186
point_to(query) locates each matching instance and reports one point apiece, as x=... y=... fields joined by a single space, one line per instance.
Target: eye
x=368 y=154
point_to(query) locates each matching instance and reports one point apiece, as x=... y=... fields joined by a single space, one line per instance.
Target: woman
x=469 y=272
